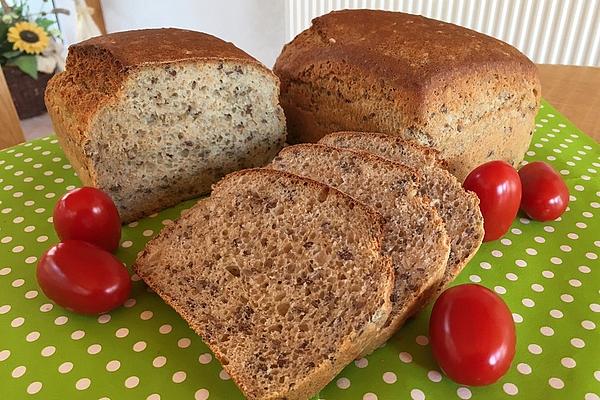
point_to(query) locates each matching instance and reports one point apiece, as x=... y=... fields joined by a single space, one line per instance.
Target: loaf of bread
x=470 y=96
x=458 y=208
x=414 y=234
x=154 y=117
x=281 y=276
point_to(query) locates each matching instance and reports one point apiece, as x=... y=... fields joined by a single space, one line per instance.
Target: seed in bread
x=282 y=277
x=414 y=237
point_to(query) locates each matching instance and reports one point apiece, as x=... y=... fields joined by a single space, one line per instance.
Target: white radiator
x=547 y=31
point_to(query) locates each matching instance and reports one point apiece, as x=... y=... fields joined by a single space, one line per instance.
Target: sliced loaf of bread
x=414 y=237
x=282 y=277
x=458 y=208
x=156 y=116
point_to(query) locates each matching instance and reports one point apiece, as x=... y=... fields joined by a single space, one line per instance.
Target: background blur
x=547 y=31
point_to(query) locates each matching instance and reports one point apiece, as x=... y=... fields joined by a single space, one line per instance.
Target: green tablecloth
x=548 y=274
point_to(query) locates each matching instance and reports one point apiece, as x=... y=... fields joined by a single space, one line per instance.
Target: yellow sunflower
x=28 y=37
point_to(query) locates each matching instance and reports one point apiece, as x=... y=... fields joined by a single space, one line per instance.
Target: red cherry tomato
x=472 y=335
x=83 y=278
x=90 y=215
x=545 y=195
x=498 y=187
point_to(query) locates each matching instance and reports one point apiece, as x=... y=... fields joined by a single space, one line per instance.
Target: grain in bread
x=414 y=237
x=458 y=208
x=153 y=117
x=472 y=97
x=281 y=276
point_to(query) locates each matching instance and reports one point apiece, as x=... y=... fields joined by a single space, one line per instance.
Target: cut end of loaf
x=179 y=128
x=154 y=134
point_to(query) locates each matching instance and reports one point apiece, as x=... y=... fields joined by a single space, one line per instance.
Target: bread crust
x=309 y=385
x=429 y=156
x=462 y=92
x=138 y=48
x=430 y=52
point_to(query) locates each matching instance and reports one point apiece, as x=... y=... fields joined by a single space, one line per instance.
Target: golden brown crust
x=158 y=46
x=430 y=51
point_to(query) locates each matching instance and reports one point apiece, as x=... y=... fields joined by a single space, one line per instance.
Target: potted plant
x=30 y=53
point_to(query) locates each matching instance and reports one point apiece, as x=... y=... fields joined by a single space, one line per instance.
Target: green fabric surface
x=547 y=273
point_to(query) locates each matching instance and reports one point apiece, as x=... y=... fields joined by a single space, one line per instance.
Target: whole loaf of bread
x=472 y=97
x=156 y=116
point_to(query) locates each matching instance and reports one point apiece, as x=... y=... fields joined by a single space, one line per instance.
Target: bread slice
x=458 y=208
x=414 y=236
x=283 y=278
x=156 y=116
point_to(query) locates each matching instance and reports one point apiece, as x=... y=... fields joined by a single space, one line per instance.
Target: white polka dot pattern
x=547 y=273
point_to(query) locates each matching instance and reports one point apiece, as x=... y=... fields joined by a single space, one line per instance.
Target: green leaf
x=11 y=53
x=3 y=32
x=27 y=64
x=5 y=46
x=44 y=22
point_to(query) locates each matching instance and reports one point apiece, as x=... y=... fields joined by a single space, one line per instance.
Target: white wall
x=547 y=31
x=255 y=26
x=67 y=22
